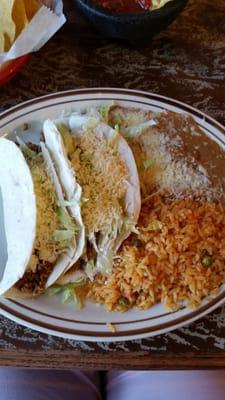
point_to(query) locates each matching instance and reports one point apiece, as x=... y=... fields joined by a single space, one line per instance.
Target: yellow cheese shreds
x=47 y=220
x=103 y=176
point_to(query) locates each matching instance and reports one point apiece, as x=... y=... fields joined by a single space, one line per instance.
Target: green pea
x=123 y=301
x=207 y=259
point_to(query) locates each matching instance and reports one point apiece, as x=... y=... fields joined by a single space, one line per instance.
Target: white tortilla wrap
x=67 y=178
x=53 y=139
x=19 y=209
x=77 y=123
x=70 y=257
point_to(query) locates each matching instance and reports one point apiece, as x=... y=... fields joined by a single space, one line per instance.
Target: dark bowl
x=137 y=29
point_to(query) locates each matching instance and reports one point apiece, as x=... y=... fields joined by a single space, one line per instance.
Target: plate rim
x=142 y=93
x=118 y=336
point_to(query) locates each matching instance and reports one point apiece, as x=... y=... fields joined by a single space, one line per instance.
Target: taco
x=105 y=169
x=44 y=235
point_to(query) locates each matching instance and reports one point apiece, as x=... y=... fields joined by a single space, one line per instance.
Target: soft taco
x=105 y=169
x=44 y=235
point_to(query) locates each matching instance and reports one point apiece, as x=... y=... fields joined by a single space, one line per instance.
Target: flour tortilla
x=55 y=144
x=20 y=212
x=67 y=179
x=19 y=209
x=133 y=195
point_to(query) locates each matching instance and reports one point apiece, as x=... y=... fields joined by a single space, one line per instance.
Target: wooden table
x=186 y=61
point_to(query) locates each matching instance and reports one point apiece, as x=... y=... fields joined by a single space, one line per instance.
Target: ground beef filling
x=34 y=282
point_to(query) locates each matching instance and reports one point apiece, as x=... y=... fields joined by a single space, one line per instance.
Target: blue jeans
x=22 y=384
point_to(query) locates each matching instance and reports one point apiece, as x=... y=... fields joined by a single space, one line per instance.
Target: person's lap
x=41 y=384
x=26 y=384
x=166 y=385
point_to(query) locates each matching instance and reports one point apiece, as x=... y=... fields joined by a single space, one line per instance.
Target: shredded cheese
x=178 y=176
x=173 y=147
x=45 y=248
x=103 y=177
x=174 y=171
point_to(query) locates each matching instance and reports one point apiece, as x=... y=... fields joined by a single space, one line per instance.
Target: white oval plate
x=47 y=314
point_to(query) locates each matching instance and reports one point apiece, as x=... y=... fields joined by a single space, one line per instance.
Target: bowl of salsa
x=130 y=6
x=134 y=21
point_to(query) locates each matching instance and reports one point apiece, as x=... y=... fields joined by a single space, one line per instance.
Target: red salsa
x=124 y=6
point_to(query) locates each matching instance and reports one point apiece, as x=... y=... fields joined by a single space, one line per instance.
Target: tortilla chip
x=7 y=26
x=2 y=42
x=31 y=6
x=7 y=42
x=19 y=16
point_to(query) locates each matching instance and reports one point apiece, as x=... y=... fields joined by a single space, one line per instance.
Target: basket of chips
x=25 y=26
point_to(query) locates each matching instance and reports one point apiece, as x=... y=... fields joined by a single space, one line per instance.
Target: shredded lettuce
x=137 y=130
x=104 y=260
x=147 y=163
x=83 y=200
x=68 y=296
x=90 y=269
x=117 y=128
x=67 y=233
x=63 y=235
x=68 y=203
x=130 y=135
x=109 y=242
x=75 y=200
x=130 y=226
x=92 y=122
x=118 y=120
x=67 y=138
x=66 y=220
x=115 y=139
x=153 y=226
x=68 y=292
x=104 y=111
x=25 y=149
x=104 y=248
